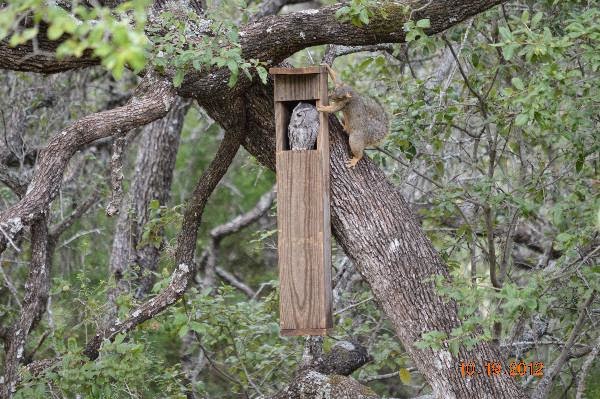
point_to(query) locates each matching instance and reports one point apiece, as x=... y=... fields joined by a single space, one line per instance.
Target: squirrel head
x=341 y=93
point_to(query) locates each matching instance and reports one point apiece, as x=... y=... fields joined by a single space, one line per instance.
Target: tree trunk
x=377 y=230
x=152 y=179
x=34 y=302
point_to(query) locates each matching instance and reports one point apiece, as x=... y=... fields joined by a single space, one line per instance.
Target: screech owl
x=303 y=127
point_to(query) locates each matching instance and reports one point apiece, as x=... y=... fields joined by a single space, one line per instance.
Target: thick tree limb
x=377 y=230
x=36 y=294
x=151 y=101
x=274 y=38
x=186 y=245
x=44 y=60
x=327 y=375
x=152 y=179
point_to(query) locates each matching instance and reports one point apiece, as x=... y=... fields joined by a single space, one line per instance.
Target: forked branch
x=151 y=100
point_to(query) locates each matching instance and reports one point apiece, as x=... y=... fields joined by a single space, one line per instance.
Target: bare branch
x=235 y=282
x=15 y=183
x=244 y=220
x=543 y=388
x=585 y=369
x=36 y=293
x=272 y=7
x=151 y=101
x=63 y=225
x=184 y=254
x=209 y=256
x=11 y=287
x=334 y=51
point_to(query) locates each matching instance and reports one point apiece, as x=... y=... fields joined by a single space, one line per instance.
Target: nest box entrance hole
x=303 y=220
x=287 y=109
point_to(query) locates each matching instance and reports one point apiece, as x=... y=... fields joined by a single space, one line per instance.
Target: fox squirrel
x=365 y=120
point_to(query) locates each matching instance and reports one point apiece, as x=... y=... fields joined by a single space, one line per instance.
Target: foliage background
x=503 y=144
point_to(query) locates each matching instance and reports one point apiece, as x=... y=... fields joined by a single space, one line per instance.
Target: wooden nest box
x=304 y=233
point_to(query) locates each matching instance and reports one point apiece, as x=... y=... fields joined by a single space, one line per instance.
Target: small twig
x=543 y=388
x=395 y=158
x=213 y=364
x=334 y=51
x=9 y=239
x=235 y=282
x=11 y=287
x=353 y=306
x=39 y=345
x=76 y=236
x=60 y=227
x=379 y=377
x=260 y=289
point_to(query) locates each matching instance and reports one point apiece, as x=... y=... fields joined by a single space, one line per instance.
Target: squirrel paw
x=352 y=162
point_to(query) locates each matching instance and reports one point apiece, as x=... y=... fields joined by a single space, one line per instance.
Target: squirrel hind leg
x=357 y=147
x=352 y=162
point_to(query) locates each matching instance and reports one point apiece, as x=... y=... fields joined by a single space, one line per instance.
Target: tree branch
x=184 y=254
x=328 y=373
x=277 y=37
x=543 y=388
x=209 y=256
x=274 y=38
x=59 y=228
x=151 y=101
x=585 y=369
x=272 y=7
x=36 y=294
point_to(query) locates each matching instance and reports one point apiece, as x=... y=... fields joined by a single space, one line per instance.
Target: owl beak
x=348 y=95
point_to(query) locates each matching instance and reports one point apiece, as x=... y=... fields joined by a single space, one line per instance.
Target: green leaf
x=521 y=119
x=178 y=78
x=262 y=73
x=423 y=23
x=536 y=19
x=183 y=330
x=518 y=83
x=509 y=50
x=364 y=16
x=505 y=34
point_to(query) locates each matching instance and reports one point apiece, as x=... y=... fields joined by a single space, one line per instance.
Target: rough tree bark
x=151 y=101
x=328 y=375
x=36 y=294
x=377 y=230
x=370 y=219
x=186 y=244
x=153 y=174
